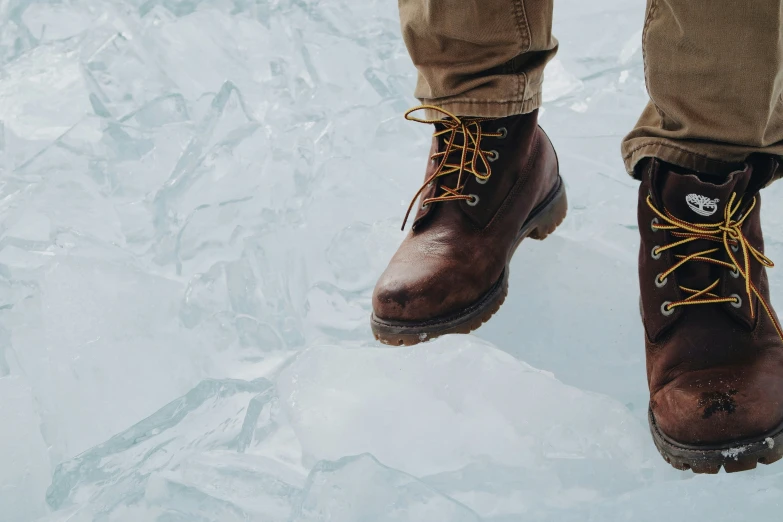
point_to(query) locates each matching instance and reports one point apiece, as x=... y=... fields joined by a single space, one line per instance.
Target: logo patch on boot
x=702 y=205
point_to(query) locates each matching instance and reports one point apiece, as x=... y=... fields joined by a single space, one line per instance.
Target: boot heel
x=552 y=216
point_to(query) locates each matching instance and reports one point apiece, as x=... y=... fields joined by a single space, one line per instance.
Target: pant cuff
x=482 y=108
x=675 y=154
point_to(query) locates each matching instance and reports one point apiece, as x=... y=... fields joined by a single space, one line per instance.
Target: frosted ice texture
x=356 y=489
x=196 y=198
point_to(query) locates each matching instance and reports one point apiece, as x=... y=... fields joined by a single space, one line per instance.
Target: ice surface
x=243 y=448
x=196 y=198
x=357 y=489
x=467 y=402
x=488 y=429
x=189 y=458
x=25 y=469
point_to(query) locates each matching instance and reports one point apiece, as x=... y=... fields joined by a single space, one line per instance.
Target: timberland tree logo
x=702 y=205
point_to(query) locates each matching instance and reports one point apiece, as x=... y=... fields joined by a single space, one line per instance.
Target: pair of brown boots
x=714 y=344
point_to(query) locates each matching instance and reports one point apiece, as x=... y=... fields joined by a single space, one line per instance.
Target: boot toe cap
x=408 y=299
x=719 y=407
x=418 y=293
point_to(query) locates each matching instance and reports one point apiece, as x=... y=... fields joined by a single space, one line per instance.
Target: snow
x=734 y=453
x=196 y=198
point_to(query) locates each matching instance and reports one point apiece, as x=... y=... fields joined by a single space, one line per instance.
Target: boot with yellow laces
x=489 y=184
x=714 y=343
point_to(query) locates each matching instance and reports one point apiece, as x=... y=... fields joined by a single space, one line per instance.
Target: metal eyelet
x=425 y=205
x=473 y=201
x=655 y=254
x=654 y=222
x=493 y=155
x=735 y=273
x=431 y=184
x=738 y=301
x=665 y=310
x=503 y=133
x=660 y=283
x=482 y=181
x=735 y=248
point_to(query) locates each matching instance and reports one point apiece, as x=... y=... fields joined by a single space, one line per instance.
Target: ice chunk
x=24 y=461
x=337 y=313
x=100 y=336
x=245 y=299
x=748 y=496
x=214 y=183
x=570 y=340
x=50 y=22
x=560 y=82
x=213 y=416
x=15 y=38
x=548 y=492
x=164 y=110
x=224 y=486
x=450 y=403
x=64 y=195
x=42 y=93
x=122 y=75
x=215 y=486
x=238 y=47
x=359 y=250
x=361 y=489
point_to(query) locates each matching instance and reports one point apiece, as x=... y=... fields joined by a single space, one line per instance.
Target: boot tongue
x=700 y=200
x=696 y=199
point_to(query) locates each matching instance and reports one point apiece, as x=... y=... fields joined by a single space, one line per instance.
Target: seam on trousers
x=475 y=100
x=523 y=84
x=522 y=25
x=525 y=39
x=645 y=33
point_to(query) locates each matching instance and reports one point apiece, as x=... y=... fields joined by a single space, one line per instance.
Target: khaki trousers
x=714 y=71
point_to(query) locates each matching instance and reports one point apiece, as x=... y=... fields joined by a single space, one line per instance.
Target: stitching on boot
x=517 y=188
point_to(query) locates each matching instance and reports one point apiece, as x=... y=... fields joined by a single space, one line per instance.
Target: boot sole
x=741 y=455
x=540 y=224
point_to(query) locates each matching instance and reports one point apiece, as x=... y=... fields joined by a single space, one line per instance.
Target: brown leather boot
x=714 y=344
x=478 y=202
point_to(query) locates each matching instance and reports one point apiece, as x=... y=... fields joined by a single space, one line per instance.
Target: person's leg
x=492 y=177
x=479 y=57
x=706 y=144
x=713 y=73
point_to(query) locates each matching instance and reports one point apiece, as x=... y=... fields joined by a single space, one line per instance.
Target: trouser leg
x=479 y=57
x=713 y=73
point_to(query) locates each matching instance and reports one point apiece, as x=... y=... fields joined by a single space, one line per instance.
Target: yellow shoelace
x=729 y=233
x=470 y=155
